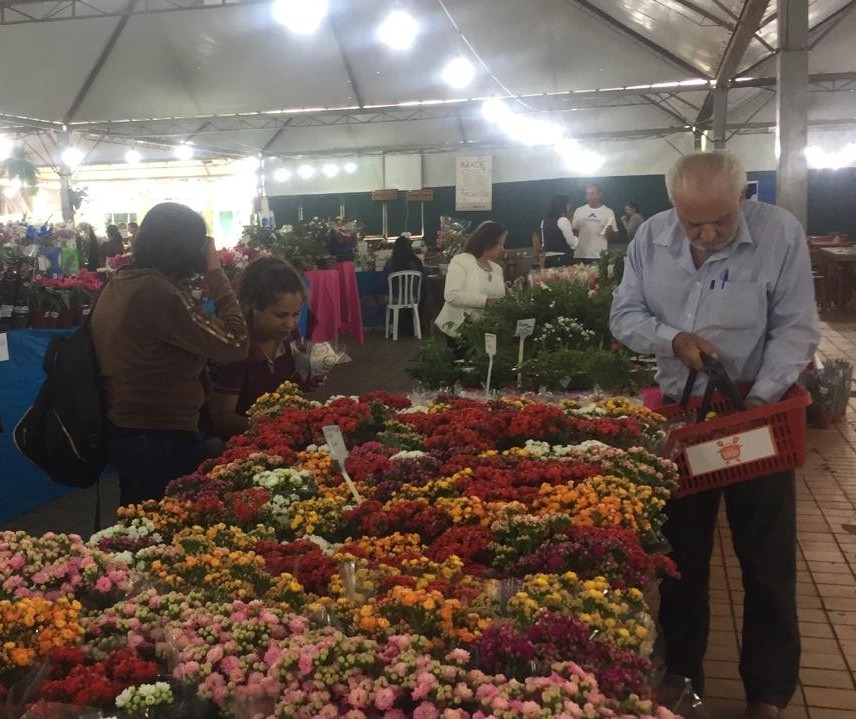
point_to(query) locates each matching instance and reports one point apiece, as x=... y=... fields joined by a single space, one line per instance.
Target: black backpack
x=64 y=432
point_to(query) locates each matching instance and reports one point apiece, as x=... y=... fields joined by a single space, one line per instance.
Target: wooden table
x=837 y=263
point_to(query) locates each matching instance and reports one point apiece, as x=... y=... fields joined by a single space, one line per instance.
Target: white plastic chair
x=405 y=289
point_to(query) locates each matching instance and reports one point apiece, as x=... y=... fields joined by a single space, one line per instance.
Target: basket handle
x=718 y=379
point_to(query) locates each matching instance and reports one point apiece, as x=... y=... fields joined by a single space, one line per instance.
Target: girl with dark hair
x=271 y=294
x=114 y=245
x=91 y=247
x=474 y=279
x=403 y=259
x=557 y=234
x=153 y=341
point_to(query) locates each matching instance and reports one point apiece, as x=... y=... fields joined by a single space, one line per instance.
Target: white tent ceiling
x=224 y=75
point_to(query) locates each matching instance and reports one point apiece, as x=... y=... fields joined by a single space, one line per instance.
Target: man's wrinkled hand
x=688 y=348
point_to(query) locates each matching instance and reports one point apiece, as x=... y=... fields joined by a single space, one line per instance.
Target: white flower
x=411 y=454
x=415 y=409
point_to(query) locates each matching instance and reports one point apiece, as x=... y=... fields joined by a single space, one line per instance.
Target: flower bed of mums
x=495 y=567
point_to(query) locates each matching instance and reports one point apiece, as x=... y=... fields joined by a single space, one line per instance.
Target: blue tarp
x=22 y=486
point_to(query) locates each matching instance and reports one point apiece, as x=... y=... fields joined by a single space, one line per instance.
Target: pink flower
x=358 y=697
x=425 y=682
x=272 y=655
x=426 y=710
x=354 y=714
x=17 y=562
x=304 y=664
x=486 y=692
x=215 y=654
x=384 y=698
x=459 y=655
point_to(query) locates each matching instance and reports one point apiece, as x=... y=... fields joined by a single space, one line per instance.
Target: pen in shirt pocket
x=724 y=278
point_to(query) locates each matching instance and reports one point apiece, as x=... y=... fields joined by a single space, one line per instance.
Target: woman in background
x=403 y=259
x=114 y=245
x=153 y=341
x=474 y=280
x=631 y=219
x=271 y=295
x=557 y=234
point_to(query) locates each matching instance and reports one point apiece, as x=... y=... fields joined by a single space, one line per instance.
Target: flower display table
x=479 y=559
x=334 y=303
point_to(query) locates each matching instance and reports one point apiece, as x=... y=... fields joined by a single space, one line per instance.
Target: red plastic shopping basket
x=736 y=446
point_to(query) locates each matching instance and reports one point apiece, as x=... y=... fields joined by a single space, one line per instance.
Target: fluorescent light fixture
x=6 y=146
x=350 y=167
x=821 y=159
x=330 y=170
x=305 y=172
x=398 y=31
x=694 y=82
x=576 y=157
x=282 y=174
x=184 y=151
x=495 y=110
x=71 y=157
x=458 y=73
x=132 y=157
x=302 y=17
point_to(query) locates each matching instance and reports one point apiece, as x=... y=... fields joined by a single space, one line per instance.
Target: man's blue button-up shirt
x=753 y=300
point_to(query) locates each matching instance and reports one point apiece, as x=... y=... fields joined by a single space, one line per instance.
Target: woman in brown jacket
x=153 y=341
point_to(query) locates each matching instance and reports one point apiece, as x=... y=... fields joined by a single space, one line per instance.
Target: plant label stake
x=339 y=452
x=490 y=348
x=525 y=328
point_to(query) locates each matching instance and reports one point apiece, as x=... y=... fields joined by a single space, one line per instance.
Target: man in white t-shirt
x=594 y=224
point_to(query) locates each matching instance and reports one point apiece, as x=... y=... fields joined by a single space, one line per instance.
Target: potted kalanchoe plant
x=829 y=386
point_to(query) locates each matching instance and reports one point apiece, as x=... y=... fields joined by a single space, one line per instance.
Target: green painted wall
x=521 y=205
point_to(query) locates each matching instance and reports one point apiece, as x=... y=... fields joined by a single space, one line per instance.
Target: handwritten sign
x=490 y=344
x=525 y=328
x=474 y=182
x=423 y=195
x=385 y=195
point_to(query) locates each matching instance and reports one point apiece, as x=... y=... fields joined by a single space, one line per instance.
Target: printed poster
x=474 y=182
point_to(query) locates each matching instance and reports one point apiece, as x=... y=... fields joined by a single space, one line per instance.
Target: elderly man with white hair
x=733 y=280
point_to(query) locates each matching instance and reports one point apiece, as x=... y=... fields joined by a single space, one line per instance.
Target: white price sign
x=338 y=450
x=336 y=442
x=742 y=448
x=490 y=344
x=525 y=328
x=4 y=347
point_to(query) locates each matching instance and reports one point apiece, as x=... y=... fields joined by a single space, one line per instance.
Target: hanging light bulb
x=300 y=16
x=398 y=31
x=305 y=172
x=282 y=174
x=350 y=167
x=132 y=157
x=9 y=192
x=71 y=157
x=330 y=170
x=458 y=73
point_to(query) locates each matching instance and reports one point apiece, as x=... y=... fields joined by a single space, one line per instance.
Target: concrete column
x=720 y=117
x=792 y=108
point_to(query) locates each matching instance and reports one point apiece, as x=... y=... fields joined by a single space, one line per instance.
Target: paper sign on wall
x=731 y=451
x=4 y=347
x=474 y=183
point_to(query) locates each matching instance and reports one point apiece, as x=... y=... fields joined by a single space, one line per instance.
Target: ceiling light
x=71 y=157
x=350 y=167
x=282 y=175
x=6 y=146
x=458 y=73
x=330 y=170
x=16 y=183
x=398 y=31
x=9 y=192
x=184 y=151
x=305 y=171
x=495 y=110
x=300 y=16
x=132 y=157
x=577 y=158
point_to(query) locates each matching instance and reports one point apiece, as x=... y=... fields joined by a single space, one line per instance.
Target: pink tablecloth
x=334 y=304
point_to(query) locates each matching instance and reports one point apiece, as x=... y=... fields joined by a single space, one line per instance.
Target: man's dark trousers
x=762 y=516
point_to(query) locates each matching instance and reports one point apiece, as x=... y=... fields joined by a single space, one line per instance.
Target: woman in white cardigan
x=474 y=280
